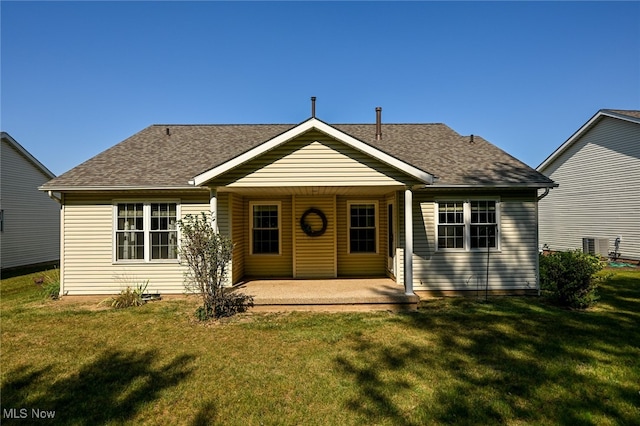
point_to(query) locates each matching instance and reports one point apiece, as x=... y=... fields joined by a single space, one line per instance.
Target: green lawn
x=509 y=360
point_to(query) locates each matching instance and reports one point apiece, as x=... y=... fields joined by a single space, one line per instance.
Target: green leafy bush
x=207 y=254
x=569 y=278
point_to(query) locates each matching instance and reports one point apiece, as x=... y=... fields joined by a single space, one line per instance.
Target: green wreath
x=306 y=228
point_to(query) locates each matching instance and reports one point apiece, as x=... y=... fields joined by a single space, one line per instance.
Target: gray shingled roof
x=151 y=158
x=627 y=112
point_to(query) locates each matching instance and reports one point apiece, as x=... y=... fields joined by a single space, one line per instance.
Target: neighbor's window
x=468 y=225
x=362 y=228
x=265 y=228
x=146 y=231
x=1 y=220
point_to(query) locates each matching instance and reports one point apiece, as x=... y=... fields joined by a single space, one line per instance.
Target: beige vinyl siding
x=598 y=196
x=88 y=247
x=512 y=267
x=312 y=159
x=315 y=257
x=271 y=265
x=239 y=233
x=31 y=219
x=361 y=264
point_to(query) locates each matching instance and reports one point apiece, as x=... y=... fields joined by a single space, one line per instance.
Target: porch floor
x=339 y=294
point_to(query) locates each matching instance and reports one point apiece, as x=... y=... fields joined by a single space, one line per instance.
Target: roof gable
x=309 y=125
x=27 y=155
x=631 y=116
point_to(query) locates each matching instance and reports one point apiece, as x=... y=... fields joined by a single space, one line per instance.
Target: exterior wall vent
x=595 y=246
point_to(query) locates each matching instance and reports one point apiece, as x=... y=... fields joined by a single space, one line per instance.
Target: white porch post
x=213 y=208
x=408 y=241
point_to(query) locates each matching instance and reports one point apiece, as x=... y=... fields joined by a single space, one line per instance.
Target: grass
x=509 y=360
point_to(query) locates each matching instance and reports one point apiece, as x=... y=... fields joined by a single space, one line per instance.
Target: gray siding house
x=598 y=200
x=29 y=219
x=415 y=202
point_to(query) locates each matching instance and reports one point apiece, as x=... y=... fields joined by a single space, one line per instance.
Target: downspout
x=54 y=198
x=544 y=194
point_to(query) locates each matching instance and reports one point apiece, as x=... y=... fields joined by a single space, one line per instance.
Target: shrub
x=50 y=284
x=569 y=278
x=129 y=297
x=207 y=254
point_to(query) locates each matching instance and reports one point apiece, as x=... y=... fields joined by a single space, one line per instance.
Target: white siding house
x=598 y=170
x=30 y=220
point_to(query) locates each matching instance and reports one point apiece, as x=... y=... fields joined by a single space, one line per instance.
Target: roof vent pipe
x=471 y=139
x=378 y=123
x=313 y=107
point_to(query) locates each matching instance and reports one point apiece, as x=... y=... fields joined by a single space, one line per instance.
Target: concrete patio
x=340 y=294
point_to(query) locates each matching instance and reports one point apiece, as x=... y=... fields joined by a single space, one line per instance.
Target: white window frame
x=278 y=205
x=377 y=227
x=466 y=204
x=146 y=221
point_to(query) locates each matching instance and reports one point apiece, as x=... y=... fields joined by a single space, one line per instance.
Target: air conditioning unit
x=596 y=246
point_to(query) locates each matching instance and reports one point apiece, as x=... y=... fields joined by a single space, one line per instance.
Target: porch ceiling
x=313 y=190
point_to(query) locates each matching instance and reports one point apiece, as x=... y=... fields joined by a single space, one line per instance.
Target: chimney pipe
x=313 y=107
x=378 y=123
x=471 y=139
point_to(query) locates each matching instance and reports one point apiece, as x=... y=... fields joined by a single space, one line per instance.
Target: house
x=29 y=220
x=597 y=205
x=416 y=202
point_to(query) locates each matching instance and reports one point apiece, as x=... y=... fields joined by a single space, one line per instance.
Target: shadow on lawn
x=111 y=388
x=511 y=359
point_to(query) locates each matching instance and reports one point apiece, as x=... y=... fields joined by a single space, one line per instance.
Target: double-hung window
x=265 y=227
x=362 y=227
x=146 y=232
x=467 y=224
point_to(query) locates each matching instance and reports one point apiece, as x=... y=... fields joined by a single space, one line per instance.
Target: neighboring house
x=598 y=200
x=416 y=202
x=29 y=220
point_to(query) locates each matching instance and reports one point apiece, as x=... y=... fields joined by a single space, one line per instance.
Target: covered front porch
x=339 y=294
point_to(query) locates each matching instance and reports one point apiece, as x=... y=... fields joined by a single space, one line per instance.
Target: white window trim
x=466 y=205
x=377 y=225
x=146 y=224
x=265 y=203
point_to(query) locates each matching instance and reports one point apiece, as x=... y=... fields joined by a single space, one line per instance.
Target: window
x=483 y=224
x=146 y=231
x=451 y=225
x=362 y=227
x=467 y=225
x=265 y=228
x=1 y=220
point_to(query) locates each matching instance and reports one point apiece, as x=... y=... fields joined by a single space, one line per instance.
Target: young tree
x=207 y=254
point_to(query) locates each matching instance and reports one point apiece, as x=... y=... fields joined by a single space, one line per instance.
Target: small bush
x=129 y=297
x=569 y=278
x=49 y=283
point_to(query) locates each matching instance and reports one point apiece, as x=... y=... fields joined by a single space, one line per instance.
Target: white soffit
x=312 y=123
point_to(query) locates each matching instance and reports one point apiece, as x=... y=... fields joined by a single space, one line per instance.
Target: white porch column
x=408 y=241
x=213 y=208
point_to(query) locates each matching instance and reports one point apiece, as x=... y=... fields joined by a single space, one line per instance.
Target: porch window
x=146 y=231
x=362 y=227
x=265 y=228
x=467 y=225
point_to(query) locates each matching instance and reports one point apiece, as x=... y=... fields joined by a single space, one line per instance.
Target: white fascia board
x=115 y=188
x=312 y=123
x=580 y=132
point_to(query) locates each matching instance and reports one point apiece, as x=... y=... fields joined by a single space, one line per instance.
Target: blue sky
x=79 y=77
